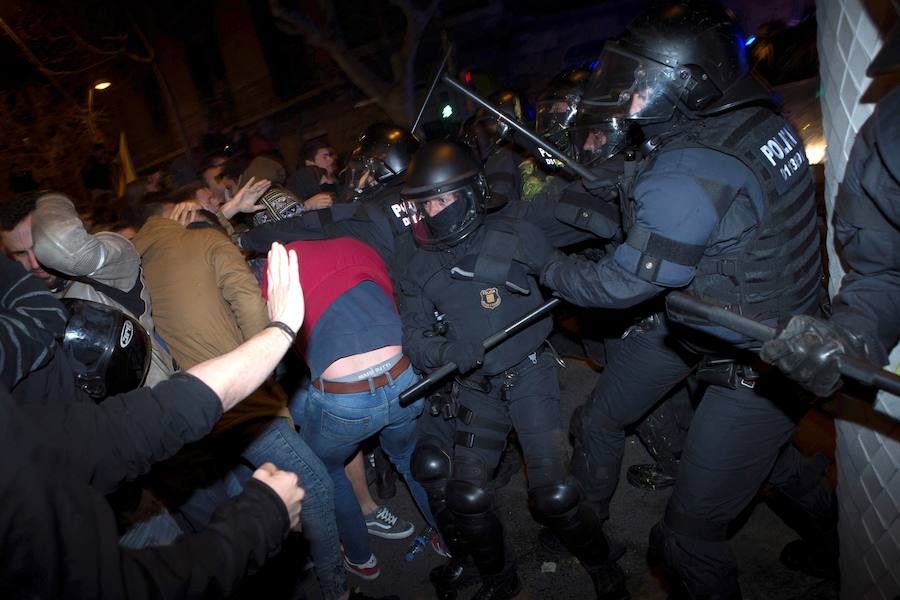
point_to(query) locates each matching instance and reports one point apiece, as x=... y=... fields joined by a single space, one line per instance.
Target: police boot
x=452 y=576
x=652 y=476
x=501 y=586
x=609 y=581
x=551 y=543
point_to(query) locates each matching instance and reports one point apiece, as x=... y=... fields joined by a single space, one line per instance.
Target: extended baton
x=412 y=393
x=535 y=139
x=854 y=368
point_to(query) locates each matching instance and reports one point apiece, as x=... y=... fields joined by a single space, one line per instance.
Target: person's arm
x=237 y=285
x=569 y=216
x=30 y=321
x=419 y=340
x=308 y=226
x=867 y=237
x=675 y=214
x=62 y=243
x=60 y=541
x=122 y=437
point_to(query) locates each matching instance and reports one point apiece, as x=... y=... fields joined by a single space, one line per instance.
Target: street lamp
x=99 y=85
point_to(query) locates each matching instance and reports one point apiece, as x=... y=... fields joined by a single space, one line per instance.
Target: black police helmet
x=557 y=106
x=385 y=150
x=448 y=193
x=110 y=351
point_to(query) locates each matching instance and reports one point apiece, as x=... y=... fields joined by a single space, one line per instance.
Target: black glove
x=535 y=253
x=606 y=184
x=808 y=350
x=465 y=355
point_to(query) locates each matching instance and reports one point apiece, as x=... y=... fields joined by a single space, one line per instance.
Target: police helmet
x=484 y=131
x=447 y=193
x=557 y=106
x=382 y=154
x=110 y=350
x=686 y=56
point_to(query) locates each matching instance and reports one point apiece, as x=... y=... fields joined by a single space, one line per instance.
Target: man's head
x=319 y=153
x=213 y=180
x=195 y=192
x=15 y=232
x=448 y=193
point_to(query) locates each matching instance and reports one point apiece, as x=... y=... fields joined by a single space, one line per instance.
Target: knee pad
x=553 y=500
x=429 y=463
x=466 y=498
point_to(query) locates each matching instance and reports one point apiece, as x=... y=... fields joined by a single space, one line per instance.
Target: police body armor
x=778 y=273
x=483 y=289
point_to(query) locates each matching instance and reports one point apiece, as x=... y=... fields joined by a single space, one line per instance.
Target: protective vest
x=778 y=273
x=480 y=288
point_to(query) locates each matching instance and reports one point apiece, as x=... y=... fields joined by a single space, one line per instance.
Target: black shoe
x=499 y=587
x=358 y=595
x=551 y=543
x=451 y=577
x=649 y=477
x=609 y=582
x=810 y=559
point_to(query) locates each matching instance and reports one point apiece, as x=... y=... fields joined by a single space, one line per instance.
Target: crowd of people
x=197 y=368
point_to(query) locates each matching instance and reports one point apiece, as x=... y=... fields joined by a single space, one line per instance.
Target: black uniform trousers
x=525 y=397
x=736 y=442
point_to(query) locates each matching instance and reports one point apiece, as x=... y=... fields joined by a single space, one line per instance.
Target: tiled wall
x=847 y=41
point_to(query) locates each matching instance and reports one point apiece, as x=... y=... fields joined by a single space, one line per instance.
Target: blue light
x=750 y=40
x=594 y=64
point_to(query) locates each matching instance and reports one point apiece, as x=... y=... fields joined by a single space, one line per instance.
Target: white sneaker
x=385 y=524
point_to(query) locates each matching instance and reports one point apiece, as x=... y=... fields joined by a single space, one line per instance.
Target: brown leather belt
x=353 y=387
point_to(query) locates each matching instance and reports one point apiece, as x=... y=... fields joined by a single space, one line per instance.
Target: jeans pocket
x=343 y=429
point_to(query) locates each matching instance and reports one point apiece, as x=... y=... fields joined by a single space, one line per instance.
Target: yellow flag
x=126 y=169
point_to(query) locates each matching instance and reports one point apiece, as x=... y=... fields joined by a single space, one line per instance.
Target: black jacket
x=867 y=232
x=59 y=535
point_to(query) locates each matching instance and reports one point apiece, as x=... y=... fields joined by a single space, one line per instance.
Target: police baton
x=571 y=164
x=854 y=368
x=413 y=392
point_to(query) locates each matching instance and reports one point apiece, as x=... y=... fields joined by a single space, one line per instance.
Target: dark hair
x=235 y=167
x=12 y=212
x=311 y=148
x=151 y=205
x=185 y=192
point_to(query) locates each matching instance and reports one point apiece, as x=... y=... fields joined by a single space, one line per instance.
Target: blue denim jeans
x=334 y=425
x=281 y=445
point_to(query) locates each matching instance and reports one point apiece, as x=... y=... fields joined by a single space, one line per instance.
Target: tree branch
x=356 y=71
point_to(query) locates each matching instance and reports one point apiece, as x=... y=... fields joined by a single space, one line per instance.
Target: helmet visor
x=630 y=86
x=357 y=180
x=444 y=219
x=555 y=119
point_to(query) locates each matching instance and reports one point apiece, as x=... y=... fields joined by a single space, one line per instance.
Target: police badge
x=490 y=298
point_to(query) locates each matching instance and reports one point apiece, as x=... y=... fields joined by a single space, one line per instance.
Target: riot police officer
x=721 y=203
x=478 y=271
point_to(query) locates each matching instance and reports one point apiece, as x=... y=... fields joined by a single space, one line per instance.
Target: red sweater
x=328 y=268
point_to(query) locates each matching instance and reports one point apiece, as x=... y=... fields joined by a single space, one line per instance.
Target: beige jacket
x=206 y=301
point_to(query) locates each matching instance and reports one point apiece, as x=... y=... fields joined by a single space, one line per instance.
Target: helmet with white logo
x=109 y=350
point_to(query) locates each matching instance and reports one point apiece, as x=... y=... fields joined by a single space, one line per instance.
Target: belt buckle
x=748 y=383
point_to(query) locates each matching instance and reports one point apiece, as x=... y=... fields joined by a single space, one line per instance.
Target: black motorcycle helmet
x=484 y=131
x=686 y=56
x=557 y=107
x=448 y=193
x=382 y=154
x=110 y=351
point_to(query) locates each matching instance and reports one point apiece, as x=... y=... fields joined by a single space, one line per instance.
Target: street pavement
x=548 y=576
